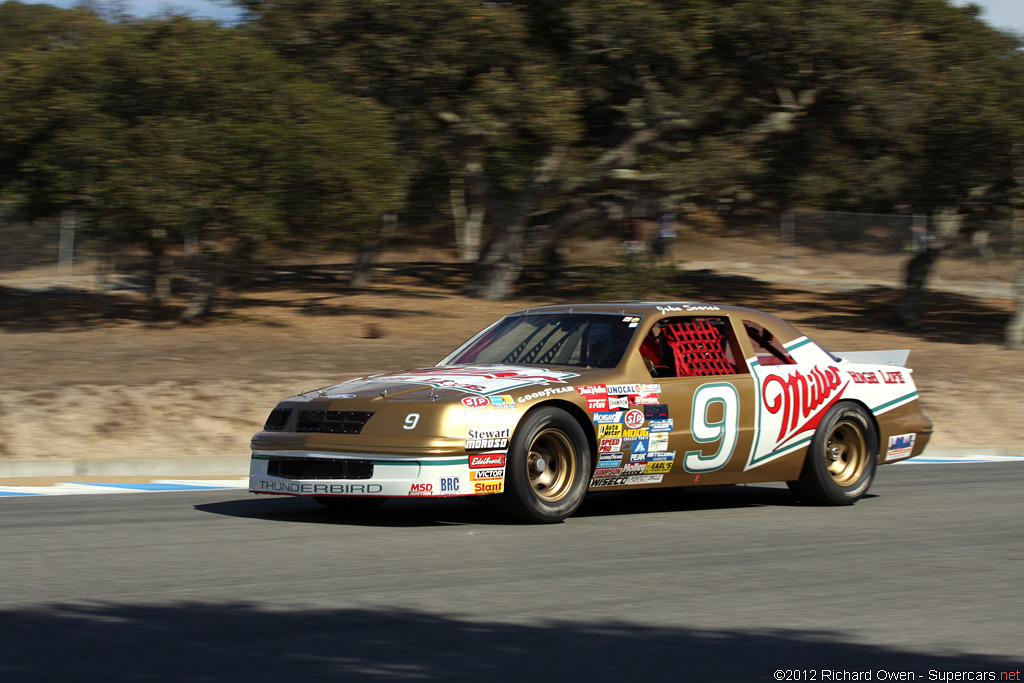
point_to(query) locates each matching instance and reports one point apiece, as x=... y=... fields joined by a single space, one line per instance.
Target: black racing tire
x=841 y=459
x=350 y=503
x=548 y=469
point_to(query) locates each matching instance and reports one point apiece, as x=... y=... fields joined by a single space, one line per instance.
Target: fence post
x=66 y=250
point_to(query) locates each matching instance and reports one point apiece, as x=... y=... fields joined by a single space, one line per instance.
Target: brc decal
x=449 y=484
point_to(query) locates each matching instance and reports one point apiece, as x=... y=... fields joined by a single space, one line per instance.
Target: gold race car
x=549 y=403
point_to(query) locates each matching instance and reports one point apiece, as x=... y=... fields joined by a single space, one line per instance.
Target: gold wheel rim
x=551 y=465
x=846 y=453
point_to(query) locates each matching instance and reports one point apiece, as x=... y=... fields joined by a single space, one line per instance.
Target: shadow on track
x=244 y=642
x=404 y=512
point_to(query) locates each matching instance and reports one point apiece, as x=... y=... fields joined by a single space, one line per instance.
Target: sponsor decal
x=864 y=377
x=609 y=431
x=631 y=319
x=612 y=460
x=623 y=389
x=488 y=439
x=597 y=404
x=659 y=462
x=341 y=395
x=640 y=446
x=900 y=446
x=660 y=425
x=645 y=479
x=486 y=460
x=650 y=388
x=608 y=472
x=609 y=481
x=638 y=457
x=488 y=487
x=449 y=485
x=645 y=399
x=658 y=442
x=476 y=380
x=551 y=391
x=475 y=402
x=608 y=418
x=319 y=489
x=800 y=399
x=634 y=468
x=593 y=390
x=421 y=490
x=609 y=445
x=618 y=402
x=503 y=402
x=656 y=411
x=633 y=419
x=634 y=434
x=486 y=475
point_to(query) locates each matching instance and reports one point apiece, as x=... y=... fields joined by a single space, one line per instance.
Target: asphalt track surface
x=922 y=577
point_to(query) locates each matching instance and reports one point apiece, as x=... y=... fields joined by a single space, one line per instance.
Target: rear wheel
x=349 y=503
x=548 y=467
x=842 y=458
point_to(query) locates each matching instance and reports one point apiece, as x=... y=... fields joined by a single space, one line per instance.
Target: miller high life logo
x=801 y=399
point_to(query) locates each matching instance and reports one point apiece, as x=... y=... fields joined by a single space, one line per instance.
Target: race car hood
x=450 y=381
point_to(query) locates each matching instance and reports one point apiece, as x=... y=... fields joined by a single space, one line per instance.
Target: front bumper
x=283 y=473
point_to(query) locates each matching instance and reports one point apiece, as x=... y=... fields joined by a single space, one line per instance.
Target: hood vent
x=332 y=421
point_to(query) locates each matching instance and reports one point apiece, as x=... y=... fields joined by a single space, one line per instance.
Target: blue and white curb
x=93 y=488
x=960 y=459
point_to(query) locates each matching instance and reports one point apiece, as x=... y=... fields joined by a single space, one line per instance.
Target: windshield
x=582 y=339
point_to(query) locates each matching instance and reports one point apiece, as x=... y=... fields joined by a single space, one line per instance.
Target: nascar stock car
x=549 y=403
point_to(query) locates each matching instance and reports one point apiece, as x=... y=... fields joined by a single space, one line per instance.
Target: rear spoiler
x=876 y=357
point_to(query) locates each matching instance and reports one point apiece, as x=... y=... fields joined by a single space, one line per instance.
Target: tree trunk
x=947 y=224
x=499 y=268
x=362 y=269
x=1015 y=327
x=160 y=264
x=469 y=220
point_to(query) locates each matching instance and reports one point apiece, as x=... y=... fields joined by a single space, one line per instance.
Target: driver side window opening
x=767 y=348
x=690 y=347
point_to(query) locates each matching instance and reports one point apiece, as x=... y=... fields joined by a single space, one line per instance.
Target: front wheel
x=841 y=459
x=548 y=467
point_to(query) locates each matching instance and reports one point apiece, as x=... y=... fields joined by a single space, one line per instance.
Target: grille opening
x=319 y=468
x=332 y=421
x=278 y=419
